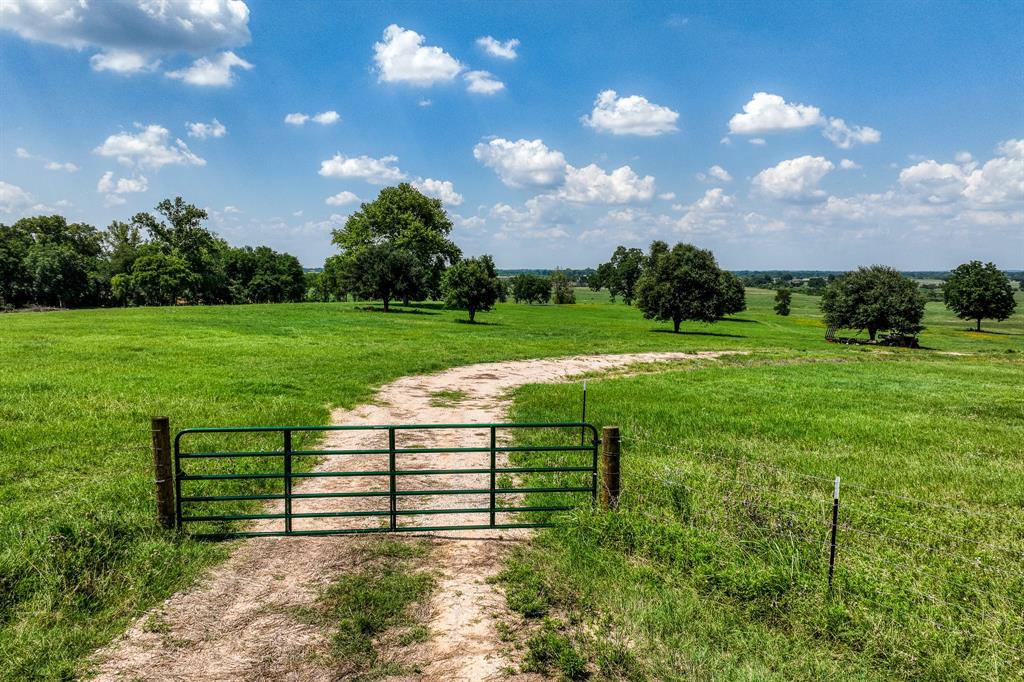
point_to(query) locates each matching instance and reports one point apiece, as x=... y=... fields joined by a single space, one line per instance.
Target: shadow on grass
x=477 y=323
x=738 y=319
x=993 y=332
x=686 y=332
x=393 y=311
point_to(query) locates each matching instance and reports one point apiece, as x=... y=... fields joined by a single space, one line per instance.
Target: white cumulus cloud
x=324 y=118
x=67 y=166
x=633 y=115
x=523 y=163
x=341 y=198
x=1001 y=179
x=48 y=164
x=847 y=164
x=794 y=179
x=716 y=172
x=202 y=131
x=938 y=182
x=121 y=185
x=130 y=34
x=13 y=198
x=148 y=148
x=844 y=136
x=769 y=113
x=483 y=83
x=114 y=189
x=403 y=58
x=215 y=72
x=497 y=48
x=123 y=61
x=375 y=171
x=441 y=189
x=592 y=185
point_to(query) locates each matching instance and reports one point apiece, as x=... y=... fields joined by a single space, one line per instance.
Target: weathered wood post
x=161 y=428
x=610 y=467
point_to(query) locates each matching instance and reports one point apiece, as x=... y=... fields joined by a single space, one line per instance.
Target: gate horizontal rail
x=392 y=473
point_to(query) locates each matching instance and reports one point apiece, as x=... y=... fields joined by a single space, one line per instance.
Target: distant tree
x=331 y=281
x=562 y=291
x=381 y=272
x=262 y=275
x=471 y=285
x=976 y=292
x=621 y=273
x=683 y=283
x=122 y=244
x=527 y=288
x=15 y=284
x=874 y=298
x=181 y=234
x=58 y=276
x=156 y=279
x=52 y=262
x=782 y=300
x=734 y=296
x=406 y=221
x=601 y=277
x=816 y=284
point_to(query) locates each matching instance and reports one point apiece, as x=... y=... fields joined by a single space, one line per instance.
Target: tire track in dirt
x=240 y=622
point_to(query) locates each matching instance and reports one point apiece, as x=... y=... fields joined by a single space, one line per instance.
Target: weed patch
x=360 y=607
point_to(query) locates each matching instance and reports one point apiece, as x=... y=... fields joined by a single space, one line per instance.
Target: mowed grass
x=80 y=554
x=715 y=566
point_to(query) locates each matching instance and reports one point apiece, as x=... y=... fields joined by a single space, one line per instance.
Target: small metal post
x=393 y=478
x=287 y=481
x=161 y=428
x=583 y=418
x=494 y=465
x=835 y=526
x=610 y=468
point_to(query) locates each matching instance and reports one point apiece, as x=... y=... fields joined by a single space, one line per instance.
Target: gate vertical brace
x=393 y=483
x=287 y=481
x=177 y=481
x=494 y=479
x=165 y=497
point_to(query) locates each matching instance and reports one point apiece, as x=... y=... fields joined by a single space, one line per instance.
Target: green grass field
x=80 y=554
x=716 y=564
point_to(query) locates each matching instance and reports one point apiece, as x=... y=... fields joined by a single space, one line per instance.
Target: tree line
x=686 y=283
x=160 y=259
x=880 y=298
x=397 y=248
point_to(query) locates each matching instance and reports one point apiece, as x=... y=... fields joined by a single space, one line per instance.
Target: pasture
x=80 y=555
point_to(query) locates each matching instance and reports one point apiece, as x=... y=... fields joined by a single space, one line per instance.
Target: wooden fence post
x=161 y=427
x=610 y=467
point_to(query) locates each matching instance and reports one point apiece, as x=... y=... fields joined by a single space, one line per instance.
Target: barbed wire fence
x=894 y=561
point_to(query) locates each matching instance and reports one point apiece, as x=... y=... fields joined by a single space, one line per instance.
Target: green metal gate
x=283 y=493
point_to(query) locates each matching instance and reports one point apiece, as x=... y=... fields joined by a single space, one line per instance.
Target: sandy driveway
x=239 y=623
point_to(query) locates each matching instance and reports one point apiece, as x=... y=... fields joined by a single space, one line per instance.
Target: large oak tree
x=976 y=292
x=681 y=283
x=402 y=219
x=874 y=298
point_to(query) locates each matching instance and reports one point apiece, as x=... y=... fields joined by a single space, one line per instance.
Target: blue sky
x=787 y=135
